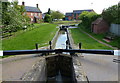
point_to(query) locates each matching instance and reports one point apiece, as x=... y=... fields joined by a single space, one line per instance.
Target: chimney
x=37 y=5
x=23 y=3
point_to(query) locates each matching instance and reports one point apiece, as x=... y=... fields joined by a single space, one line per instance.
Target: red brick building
x=69 y=16
x=99 y=26
x=75 y=14
x=34 y=13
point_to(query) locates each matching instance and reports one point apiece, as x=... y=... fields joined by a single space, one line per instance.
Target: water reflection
x=61 y=41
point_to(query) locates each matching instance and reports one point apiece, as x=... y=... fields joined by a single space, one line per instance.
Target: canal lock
x=59 y=67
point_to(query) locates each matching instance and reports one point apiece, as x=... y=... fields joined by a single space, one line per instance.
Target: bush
x=87 y=18
x=13 y=18
x=48 y=18
x=111 y=14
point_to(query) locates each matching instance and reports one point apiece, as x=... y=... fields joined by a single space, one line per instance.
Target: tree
x=0 y=13
x=53 y=15
x=111 y=14
x=13 y=18
x=48 y=18
x=4 y=6
x=87 y=18
x=57 y=15
x=49 y=11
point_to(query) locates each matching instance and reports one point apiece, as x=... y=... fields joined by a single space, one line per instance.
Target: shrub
x=12 y=16
x=111 y=14
x=48 y=18
x=87 y=18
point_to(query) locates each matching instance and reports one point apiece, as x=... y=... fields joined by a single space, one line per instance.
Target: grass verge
x=42 y=34
x=67 y=22
x=114 y=43
x=0 y=39
x=87 y=42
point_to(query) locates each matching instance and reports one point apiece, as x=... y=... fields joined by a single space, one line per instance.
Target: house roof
x=32 y=9
x=80 y=11
x=69 y=14
x=97 y=21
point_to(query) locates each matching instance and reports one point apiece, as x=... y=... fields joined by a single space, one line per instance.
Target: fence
x=115 y=28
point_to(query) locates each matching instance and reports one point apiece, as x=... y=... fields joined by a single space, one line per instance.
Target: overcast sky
x=70 y=5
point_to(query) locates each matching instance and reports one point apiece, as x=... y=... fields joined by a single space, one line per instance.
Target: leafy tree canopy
x=49 y=11
x=88 y=17
x=57 y=15
x=13 y=18
x=53 y=15
x=48 y=18
x=112 y=14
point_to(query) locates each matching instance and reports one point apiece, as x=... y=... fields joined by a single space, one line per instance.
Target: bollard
x=50 y=44
x=67 y=44
x=36 y=45
x=80 y=45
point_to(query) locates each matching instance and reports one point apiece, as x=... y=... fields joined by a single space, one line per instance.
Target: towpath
x=14 y=67
x=98 y=67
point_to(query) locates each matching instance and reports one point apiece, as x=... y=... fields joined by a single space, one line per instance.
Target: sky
x=70 y=5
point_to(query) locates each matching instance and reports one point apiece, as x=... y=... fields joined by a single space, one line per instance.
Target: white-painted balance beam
x=117 y=52
x=1 y=53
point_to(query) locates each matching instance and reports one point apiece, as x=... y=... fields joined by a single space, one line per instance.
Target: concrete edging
x=37 y=73
x=79 y=72
x=55 y=38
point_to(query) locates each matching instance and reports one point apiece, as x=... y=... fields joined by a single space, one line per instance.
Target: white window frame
x=35 y=14
x=39 y=14
x=31 y=14
x=31 y=19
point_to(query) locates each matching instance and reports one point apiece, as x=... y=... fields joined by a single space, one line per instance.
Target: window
x=31 y=19
x=31 y=14
x=35 y=14
x=39 y=14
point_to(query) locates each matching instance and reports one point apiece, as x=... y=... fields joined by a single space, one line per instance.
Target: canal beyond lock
x=61 y=40
x=60 y=67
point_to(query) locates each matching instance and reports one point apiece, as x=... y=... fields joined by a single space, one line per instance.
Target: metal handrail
x=92 y=51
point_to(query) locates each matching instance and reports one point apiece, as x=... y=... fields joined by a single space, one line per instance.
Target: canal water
x=61 y=62
x=61 y=40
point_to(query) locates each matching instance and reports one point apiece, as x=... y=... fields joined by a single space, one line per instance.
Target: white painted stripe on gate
x=1 y=53
x=117 y=52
